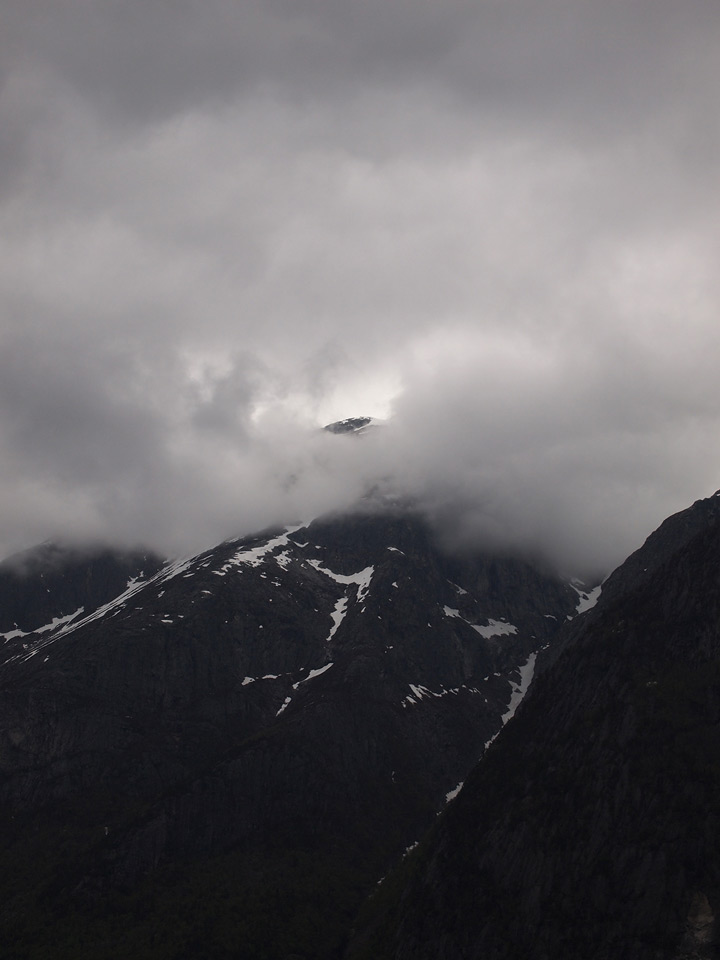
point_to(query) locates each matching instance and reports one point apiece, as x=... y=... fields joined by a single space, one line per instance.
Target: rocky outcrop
x=351 y=425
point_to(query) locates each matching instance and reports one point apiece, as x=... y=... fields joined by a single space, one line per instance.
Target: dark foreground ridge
x=223 y=758
x=591 y=829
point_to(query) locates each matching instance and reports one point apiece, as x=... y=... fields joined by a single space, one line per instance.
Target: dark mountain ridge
x=220 y=756
x=223 y=759
x=591 y=828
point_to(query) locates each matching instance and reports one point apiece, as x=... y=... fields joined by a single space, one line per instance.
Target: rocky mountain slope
x=42 y=588
x=223 y=758
x=591 y=828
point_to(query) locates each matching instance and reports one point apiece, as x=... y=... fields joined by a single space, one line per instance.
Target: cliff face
x=591 y=828
x=225 y=758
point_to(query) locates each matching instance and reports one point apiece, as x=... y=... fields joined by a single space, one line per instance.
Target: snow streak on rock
x=338 y=615
x=59 y=621
x=112 y=607
x=454 y=792
x=518 y=692
x=313 y=673
x=587 y=598
x=494 y=628
x=361 y=579
x=316 y=672
x=254 y=556
x=55 y=623
x=173 y=569
x=527 y=671
x=62 y=626
x=420 y=692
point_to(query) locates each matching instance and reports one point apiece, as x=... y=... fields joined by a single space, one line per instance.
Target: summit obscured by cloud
x=224 y=224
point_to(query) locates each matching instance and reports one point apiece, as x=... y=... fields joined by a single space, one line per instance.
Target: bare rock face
x=223 y=758
x=591 y=828
x=700 y=932
x=354 y=425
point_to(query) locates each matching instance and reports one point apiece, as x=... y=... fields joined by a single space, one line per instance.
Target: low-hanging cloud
x=503 y=442
x=224 y=224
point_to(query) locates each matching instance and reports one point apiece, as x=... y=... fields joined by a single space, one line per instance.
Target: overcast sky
x=225 y=222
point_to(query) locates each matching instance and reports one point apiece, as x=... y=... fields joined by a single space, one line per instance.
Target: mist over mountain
x=485 y=477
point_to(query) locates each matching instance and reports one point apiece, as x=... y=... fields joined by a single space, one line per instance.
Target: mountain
x=354 y=425
x=53 y=584
x=591 y=827
x=221 y=756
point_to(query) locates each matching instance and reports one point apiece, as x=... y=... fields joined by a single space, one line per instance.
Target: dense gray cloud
x=225 y=223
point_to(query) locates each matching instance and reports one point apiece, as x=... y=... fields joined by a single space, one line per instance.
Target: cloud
x=576 y=453
x=223 y=224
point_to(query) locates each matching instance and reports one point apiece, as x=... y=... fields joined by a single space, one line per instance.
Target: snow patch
x=495 y=628
x=313 y=673
x=173 y=569
x=361 y=579
x=254 y=556
x=338 y=615
x=454 y=792
x=518 y=692
x=59 y=621
x=586 y=598
x=13 y=635
x=47 y=628
x=419 y=692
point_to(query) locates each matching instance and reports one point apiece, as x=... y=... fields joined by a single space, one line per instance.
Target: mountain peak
x=356 y=425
